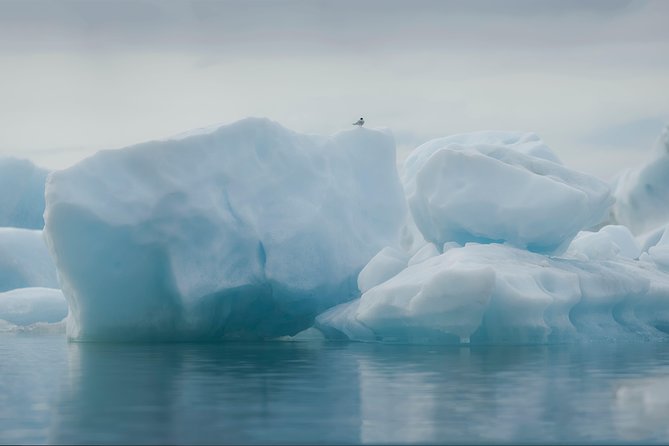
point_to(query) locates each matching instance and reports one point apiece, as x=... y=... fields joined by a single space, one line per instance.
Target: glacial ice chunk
x=475 y=188
x=248 y=230
x=21 y=194
x=28 y=306
x=492 y=293
x=25 y=260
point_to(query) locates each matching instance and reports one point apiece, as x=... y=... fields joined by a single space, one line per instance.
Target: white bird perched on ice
x=359 y=122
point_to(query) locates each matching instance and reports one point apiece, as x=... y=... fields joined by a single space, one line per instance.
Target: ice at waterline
x=250 y=230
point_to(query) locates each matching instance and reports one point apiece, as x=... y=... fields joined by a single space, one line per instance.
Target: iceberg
x=26 y=307
x=29 y=294
x=25 y=260
x=500 y=187
x=247 y=230
x=21 y=193
x=252 y=231
x=508 y=256
x=493 y=293
x=642 y=194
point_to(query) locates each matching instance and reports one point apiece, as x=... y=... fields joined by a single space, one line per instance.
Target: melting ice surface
x=252 y=231
x=315 y=393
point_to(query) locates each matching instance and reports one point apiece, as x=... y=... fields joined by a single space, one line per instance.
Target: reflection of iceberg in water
x=519 y=394
x=204 y=394
x=402 y=403
x=301 y=392
x=107 y=384
x=420 y=395
x=641 y=408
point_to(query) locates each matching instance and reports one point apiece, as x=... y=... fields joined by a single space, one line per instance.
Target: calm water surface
x=277 y=392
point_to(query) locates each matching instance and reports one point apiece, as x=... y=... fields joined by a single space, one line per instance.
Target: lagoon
x=52 y=391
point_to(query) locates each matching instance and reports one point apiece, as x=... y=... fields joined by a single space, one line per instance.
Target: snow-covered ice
x=25 y=260
x=21 y=193
x=245 y=230
x=490 y=187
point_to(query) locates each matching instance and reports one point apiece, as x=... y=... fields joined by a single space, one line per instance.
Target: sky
x=590 y=77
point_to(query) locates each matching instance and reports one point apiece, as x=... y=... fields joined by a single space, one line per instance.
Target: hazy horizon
x=588 y=76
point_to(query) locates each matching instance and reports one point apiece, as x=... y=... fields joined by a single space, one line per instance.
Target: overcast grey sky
x=590 y=77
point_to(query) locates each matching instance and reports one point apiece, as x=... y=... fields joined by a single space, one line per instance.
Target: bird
x=359 y=122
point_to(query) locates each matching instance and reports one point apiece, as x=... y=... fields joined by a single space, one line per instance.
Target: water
x=55 y=392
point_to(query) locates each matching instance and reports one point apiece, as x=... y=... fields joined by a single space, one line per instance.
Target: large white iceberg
x=21 y=193
x=250 y=230
x=25 y=260
x=500 y=187
x=642 y=194
x=246 y=230
x=528 y=272
x=492 y=293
